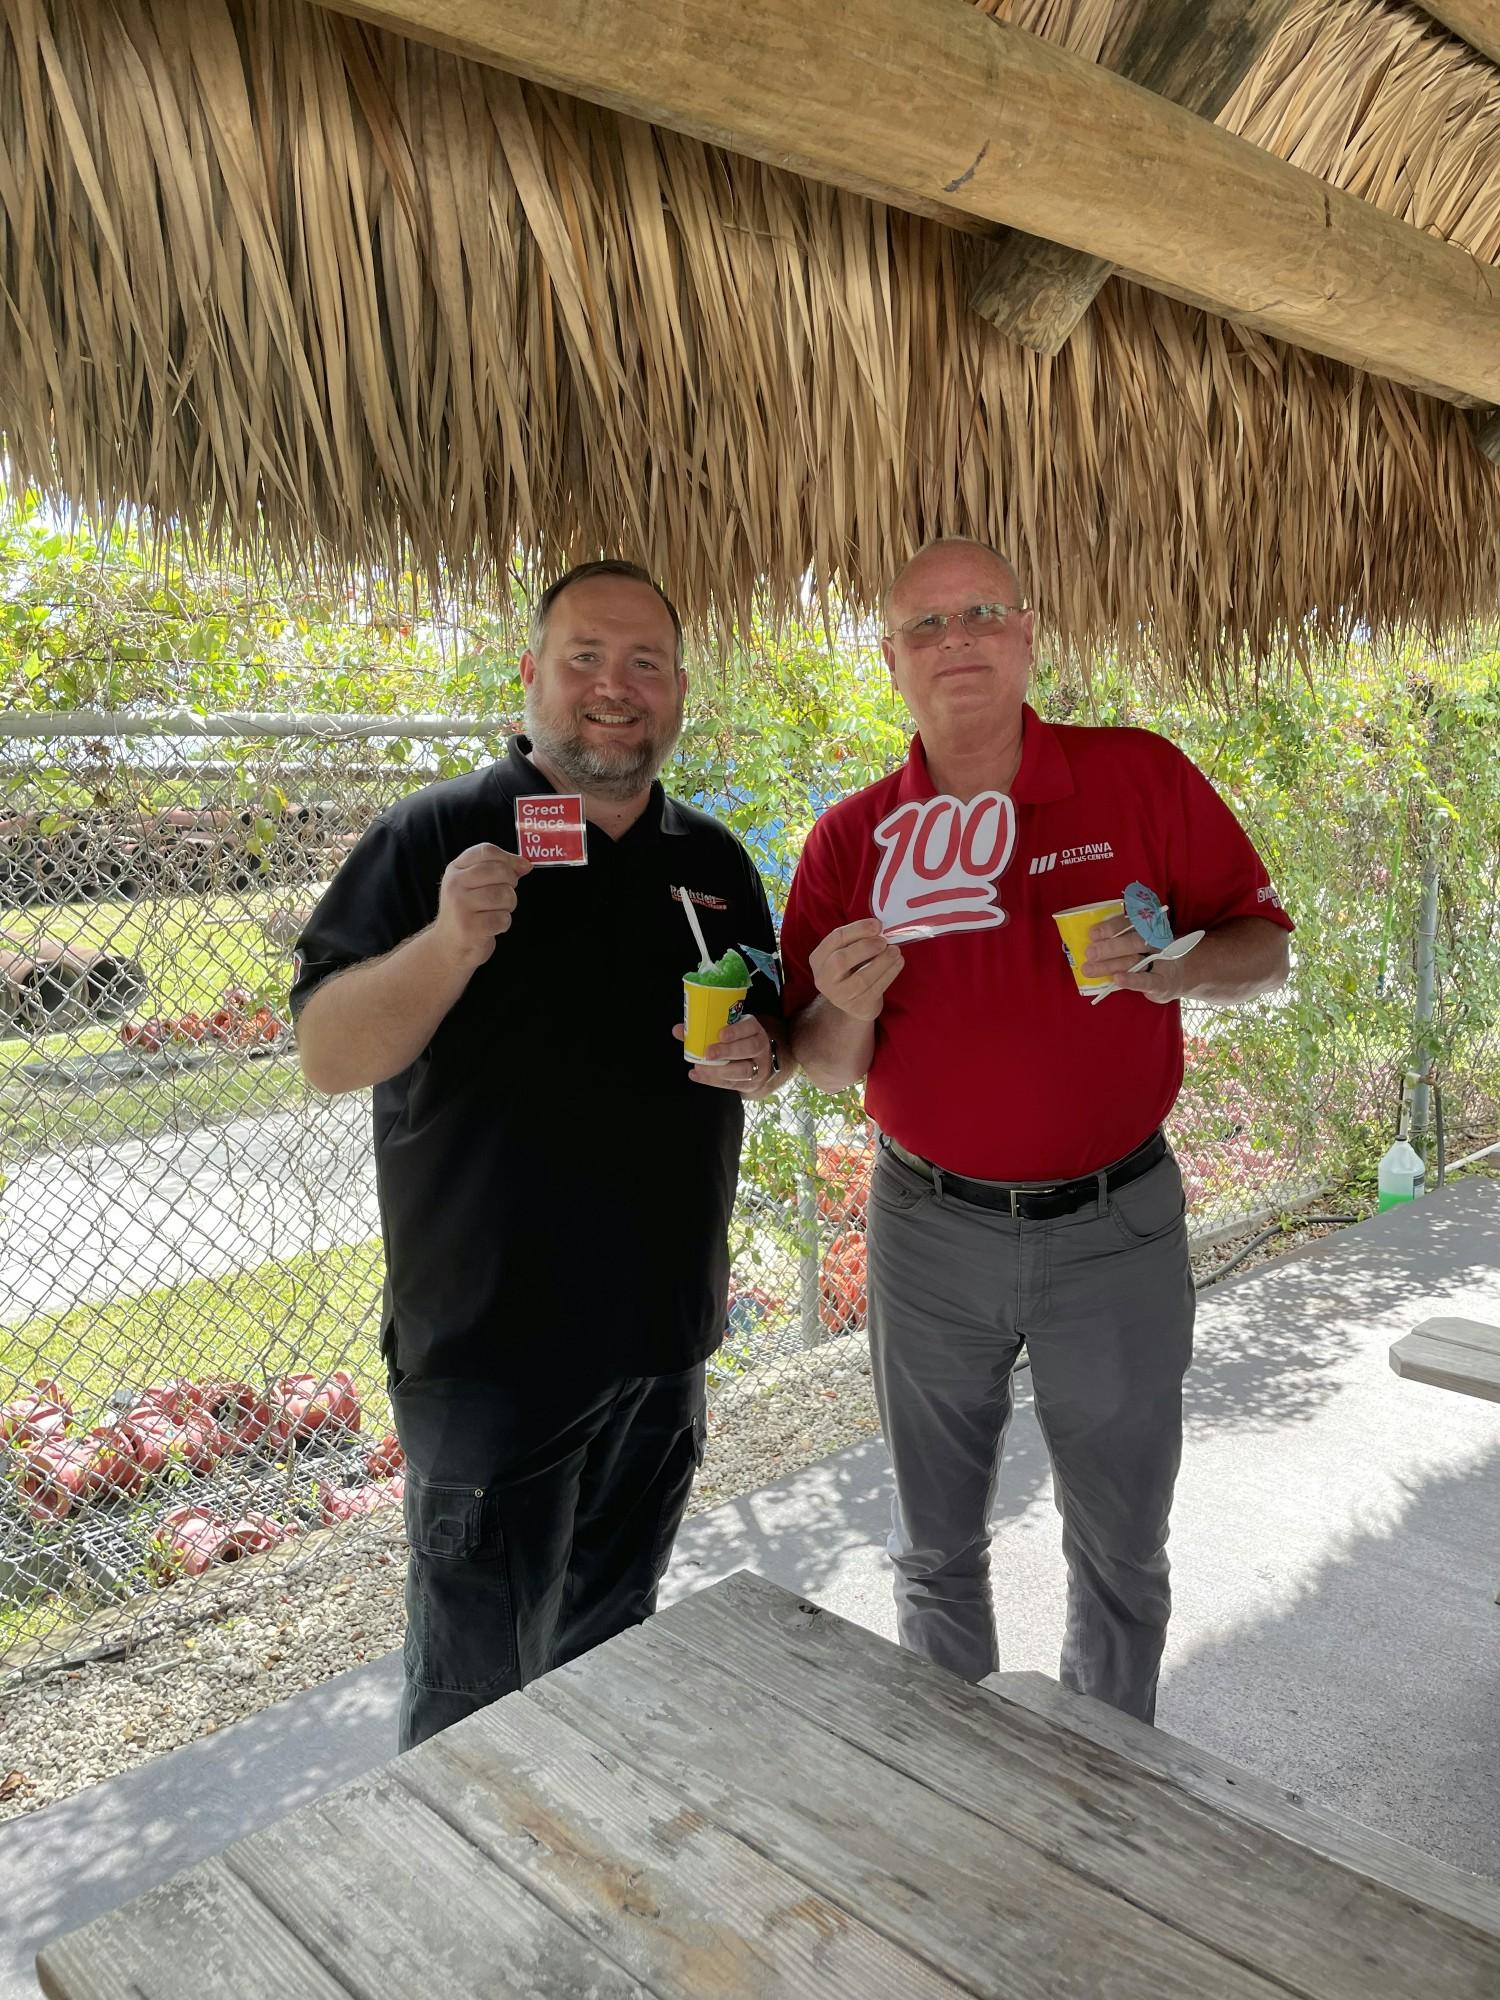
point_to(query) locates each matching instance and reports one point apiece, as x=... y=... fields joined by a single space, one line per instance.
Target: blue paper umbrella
x=1144 y=908
x=766 y=963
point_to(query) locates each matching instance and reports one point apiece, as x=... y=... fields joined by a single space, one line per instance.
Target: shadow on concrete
x=1274 y=1347
x=85 y=1855
x=810 y=1530
x=1375 y=1690
x=1271 y=1342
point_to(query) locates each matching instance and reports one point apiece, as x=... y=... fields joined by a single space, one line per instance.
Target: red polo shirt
x=987 y=1058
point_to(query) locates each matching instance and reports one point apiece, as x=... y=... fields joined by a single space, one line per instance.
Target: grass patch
x=190 y=948
x=58 y=1118
x=315 y=1312
x=27 y=1622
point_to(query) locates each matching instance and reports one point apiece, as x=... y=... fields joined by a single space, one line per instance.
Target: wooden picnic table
x=1458 y=1354
x=750 y=1797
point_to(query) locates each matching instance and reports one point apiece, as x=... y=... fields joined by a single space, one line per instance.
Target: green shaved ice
x=730 y=970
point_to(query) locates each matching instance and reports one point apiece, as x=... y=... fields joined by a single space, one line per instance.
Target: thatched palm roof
x=349 y=299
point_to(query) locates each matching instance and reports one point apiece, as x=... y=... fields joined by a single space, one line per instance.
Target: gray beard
x=616 y=776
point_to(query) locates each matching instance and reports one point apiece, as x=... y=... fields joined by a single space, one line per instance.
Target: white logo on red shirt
x=941 y=862
x=1092 y=850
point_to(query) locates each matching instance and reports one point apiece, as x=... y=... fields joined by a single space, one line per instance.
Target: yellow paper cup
x=707 y=1012
x=1075 y=926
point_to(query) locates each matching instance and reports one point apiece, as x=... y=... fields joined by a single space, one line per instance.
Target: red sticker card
x=550 y=831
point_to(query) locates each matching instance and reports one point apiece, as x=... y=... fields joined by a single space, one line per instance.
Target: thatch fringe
x=335 y=297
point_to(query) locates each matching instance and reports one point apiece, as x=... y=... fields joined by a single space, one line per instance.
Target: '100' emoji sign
x=941 y=862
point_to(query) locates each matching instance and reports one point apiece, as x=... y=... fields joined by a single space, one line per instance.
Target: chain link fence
x=189 y=1255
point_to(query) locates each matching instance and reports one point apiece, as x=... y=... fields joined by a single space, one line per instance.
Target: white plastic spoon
x=697 y=929
x=1178 y=948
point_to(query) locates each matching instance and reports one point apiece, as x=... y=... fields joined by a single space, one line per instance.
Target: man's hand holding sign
x=477 y=901
x=853 y=966
x=940 y=861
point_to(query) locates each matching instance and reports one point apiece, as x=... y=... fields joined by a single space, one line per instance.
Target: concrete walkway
x=118 y=1220
x=1336 y=1543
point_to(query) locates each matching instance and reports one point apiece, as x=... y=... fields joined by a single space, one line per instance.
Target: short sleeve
x=1218 y=875
x=377 y=900
x=816 y=904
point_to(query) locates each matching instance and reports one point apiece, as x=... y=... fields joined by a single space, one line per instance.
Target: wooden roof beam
x=933 y=107
x=1476 y=22
x=1195 y=52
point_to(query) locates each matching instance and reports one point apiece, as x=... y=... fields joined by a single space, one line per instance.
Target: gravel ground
x=253 y=1641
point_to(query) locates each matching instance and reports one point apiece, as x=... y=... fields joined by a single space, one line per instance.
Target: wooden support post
x=1193 y=53
x=1487 y=432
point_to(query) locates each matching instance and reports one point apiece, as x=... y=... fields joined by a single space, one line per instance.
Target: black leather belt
x=1036 y=1201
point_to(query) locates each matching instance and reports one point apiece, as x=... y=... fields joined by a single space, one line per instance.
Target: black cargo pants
x=540 y=1521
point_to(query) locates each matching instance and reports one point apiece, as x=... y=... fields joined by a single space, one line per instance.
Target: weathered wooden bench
x=1458 y=1354
x=1243 y=1795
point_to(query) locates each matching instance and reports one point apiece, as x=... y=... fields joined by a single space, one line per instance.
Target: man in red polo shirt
x=1024 y=1192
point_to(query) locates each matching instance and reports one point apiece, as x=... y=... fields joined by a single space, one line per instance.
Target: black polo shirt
x=555 y=1191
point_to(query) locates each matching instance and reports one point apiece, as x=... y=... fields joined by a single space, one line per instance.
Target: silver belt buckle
x=1018 y=1195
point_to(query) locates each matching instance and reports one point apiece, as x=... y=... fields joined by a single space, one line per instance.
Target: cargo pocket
x=460 y=1623
x=684 y=1462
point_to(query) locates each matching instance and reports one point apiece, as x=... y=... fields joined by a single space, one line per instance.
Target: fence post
x=809 y=1260
x=1424 y=1045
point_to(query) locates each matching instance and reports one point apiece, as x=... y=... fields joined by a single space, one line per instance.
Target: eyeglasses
x=980 y=621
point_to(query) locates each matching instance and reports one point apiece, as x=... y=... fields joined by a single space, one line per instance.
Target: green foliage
x=107 y=618
x=1348 y=782
x=234 y=1326
x=793 y=725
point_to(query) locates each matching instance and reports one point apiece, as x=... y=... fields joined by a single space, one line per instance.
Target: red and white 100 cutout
x=941 y=865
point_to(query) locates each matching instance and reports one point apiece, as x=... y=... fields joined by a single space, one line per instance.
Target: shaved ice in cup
x=713 y=999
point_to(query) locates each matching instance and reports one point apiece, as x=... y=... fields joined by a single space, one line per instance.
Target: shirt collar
x=661 y=812
x=1044 y=774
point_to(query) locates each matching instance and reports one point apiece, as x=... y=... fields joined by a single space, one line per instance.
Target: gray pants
x=1103 y=1301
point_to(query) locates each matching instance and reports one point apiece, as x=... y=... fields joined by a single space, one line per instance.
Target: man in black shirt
x=555 y=1180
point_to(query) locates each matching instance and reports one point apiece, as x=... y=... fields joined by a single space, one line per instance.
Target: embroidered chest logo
x=940 y=865
x=701 y=897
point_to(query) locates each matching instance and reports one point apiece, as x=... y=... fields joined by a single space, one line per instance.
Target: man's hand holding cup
x=739 y=1060
x=853 y=967
x=477 y=901
x=1115 y=946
